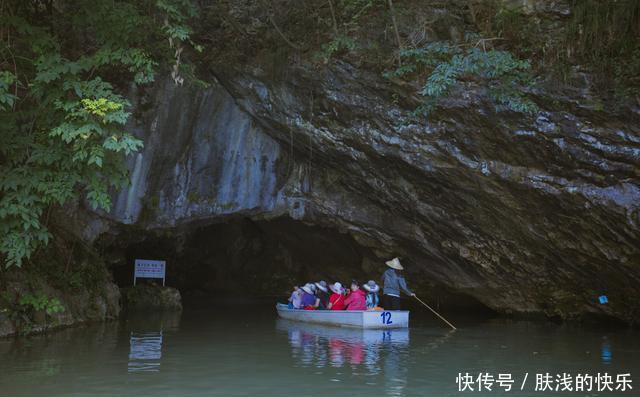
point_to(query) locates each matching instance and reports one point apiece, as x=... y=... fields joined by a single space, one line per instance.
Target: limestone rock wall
x=203 y=157
x=527 y=214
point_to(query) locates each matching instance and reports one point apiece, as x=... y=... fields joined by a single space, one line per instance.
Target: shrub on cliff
x=63 y=69
x=447 y=65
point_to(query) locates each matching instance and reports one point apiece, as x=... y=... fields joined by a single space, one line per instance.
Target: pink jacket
x=356 y=300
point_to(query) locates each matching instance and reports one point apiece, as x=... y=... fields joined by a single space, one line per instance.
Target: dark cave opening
x=243 y=257
x=249 y=258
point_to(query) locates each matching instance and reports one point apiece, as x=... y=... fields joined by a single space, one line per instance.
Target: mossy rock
x=152 y=297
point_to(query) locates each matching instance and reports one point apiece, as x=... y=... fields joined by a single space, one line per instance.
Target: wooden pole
x=435 y=312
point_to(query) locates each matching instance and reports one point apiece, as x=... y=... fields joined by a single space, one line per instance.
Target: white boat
x=376 y=319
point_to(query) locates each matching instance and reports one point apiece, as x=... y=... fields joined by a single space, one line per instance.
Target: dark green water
x=244 y=350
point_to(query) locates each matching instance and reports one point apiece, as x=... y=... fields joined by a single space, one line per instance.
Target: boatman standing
x=393 y=282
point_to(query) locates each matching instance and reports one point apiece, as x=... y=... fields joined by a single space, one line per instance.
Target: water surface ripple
x=244 y=350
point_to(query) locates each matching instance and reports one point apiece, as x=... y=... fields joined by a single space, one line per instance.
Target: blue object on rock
x=603 y=299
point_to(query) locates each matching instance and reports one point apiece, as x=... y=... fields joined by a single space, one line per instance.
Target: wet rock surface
x=526 y=214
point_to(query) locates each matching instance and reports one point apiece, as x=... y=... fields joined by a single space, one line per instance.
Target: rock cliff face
x=527 y=214
x=204 y=157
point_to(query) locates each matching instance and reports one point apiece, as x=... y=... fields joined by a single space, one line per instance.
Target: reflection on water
x=365 y=352
x=145 y=352
x=145 y=340
x=244 y=350
x=317 y=345
x=606 y=351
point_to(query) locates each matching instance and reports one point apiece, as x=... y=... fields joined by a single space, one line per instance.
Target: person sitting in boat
x=392 y=283
x=308 y=300
x=336 y=300
x=322 y=295
x=372 y=294
x=356 y=299
x=295 y=298
x=315 y=290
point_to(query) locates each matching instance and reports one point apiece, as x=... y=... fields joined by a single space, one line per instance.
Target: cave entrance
x=244 y=257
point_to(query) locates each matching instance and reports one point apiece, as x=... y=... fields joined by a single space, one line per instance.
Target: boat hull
x=369 y=319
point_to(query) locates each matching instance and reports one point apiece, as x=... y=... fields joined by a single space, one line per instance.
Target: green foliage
x=448 y=65
x=334 y=47
x=348 y=15
x=62 y=119
x=7 y=99
x=176 y=28
x=83 y=275
x=177 y=15
x=41 y=302
x=23 y=310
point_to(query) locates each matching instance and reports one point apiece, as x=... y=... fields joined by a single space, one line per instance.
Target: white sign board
x=146 y=268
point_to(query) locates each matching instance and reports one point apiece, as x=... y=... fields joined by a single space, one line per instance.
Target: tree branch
x=333 y=17
x=395 y=27
x=275 y=26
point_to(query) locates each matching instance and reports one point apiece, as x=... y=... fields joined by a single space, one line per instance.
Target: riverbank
x=65 y=284
x=32 y=303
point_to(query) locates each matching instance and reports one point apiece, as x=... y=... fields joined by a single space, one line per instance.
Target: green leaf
x=65 y=137
x=502 y=74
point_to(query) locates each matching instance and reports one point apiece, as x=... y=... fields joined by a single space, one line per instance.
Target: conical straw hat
x=395 y=264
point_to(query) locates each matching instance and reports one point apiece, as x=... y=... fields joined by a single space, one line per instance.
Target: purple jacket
x=307 y=299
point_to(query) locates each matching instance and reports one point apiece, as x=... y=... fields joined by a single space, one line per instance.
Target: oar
x=435 y=312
